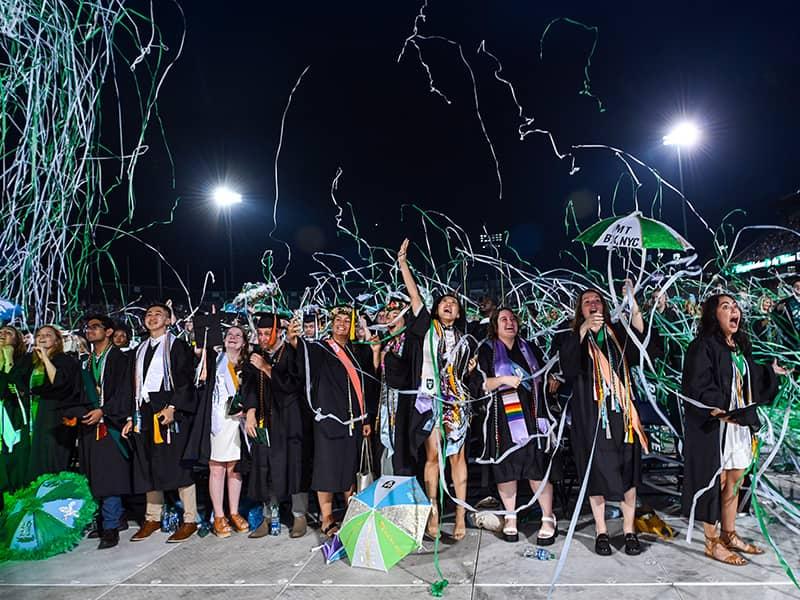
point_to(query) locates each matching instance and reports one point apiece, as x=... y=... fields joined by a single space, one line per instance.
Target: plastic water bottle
x=274 y=521
x=537 y=553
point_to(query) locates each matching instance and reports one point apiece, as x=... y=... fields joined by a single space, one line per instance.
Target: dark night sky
x=735 y=70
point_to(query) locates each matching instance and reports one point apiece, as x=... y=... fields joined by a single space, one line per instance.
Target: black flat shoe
x=632 y=545
x=109 y=539
x=602 y=545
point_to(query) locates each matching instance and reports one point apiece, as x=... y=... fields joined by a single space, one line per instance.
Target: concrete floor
x=481 y=566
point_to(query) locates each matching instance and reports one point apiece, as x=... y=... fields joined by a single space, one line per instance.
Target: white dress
x=737 y=452
x=226 y=445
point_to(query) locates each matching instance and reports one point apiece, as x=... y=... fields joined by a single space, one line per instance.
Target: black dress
x=707 y=374
x=104 y=455
x=530 y=461
x=337 y=447
x=281 y=468
x=168 y=466
x=616 y=466
x=53 y=442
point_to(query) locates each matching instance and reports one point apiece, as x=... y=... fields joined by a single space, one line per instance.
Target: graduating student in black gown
x=504 y=373
x=104 y=407
x=54 y=387
x=719 y=372
x=222 y=384
x=278 y=423
x=342 y=382
x=165 y=404
x=15 y=428
x=596 y=358
x=436 y=345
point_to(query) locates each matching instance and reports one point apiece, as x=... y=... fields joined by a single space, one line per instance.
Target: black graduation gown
x=205 y=401
x=397 y=373
x=14 y=464
x=616 y=466
x=707 y=374
x=53 y=443
x=168 y=466
x=530 y=461
x=337 y=448
x=283 y=467
x=103 y=461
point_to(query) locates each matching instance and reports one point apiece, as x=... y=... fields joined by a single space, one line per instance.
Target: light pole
x=685 y=134
x=225 y=198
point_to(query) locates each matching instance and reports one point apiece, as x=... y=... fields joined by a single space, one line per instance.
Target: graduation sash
x=90 y=387
x=512 y=406
x=352 y=372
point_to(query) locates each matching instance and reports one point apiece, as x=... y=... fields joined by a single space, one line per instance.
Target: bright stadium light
x=685 y=134
x=226 y=197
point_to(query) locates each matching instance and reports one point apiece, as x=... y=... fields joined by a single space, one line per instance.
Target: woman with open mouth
x=606 y=435
x=719 y=374
x=439 y=354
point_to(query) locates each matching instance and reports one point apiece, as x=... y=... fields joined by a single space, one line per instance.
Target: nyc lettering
x=620 y=237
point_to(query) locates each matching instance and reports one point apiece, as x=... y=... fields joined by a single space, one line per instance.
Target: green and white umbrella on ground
x=385 y=522
x=46 y=518
x=633 y=231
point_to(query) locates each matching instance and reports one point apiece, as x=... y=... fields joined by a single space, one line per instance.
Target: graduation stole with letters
x=352 y=372
x=607 y=382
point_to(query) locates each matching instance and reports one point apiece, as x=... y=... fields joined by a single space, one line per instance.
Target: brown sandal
x=732 y=558
x=222 y=528
x=733 y=542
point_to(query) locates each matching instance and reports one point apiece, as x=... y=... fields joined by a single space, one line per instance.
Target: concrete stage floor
x=480 y=566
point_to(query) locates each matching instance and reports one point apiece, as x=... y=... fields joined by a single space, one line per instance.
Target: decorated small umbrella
x=633 y=231
x=46 y=518
x=385 y=522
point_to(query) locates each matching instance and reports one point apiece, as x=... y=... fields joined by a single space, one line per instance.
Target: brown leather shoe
x=261 y=531
x=222 y=528
x=240 y=524
x=184 y=532
x=147 y=529
x=299 y=527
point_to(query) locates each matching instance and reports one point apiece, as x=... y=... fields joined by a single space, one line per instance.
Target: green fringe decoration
x=53 y=536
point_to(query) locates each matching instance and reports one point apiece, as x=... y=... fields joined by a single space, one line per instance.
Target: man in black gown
x=105 y=405
x=164 y=406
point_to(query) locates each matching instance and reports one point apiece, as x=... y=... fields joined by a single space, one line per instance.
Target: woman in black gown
x=14 y=409
x=516 y=416
x=719 y=373
x=54 y=387
x=341 y=378
x=596 y=357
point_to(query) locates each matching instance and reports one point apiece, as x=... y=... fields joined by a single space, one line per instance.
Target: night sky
x=735 y=71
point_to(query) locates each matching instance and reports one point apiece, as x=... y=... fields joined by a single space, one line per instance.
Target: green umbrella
x=633 y=231
x=385 y=522
x=46 y=518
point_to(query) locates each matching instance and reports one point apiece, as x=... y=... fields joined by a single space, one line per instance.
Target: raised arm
x=408 y=278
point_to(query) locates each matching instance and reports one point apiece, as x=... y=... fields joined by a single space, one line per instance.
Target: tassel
x=353 y=324
x=437 y=588
x=273 y=334
x=157 y=439
x=102 y=431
